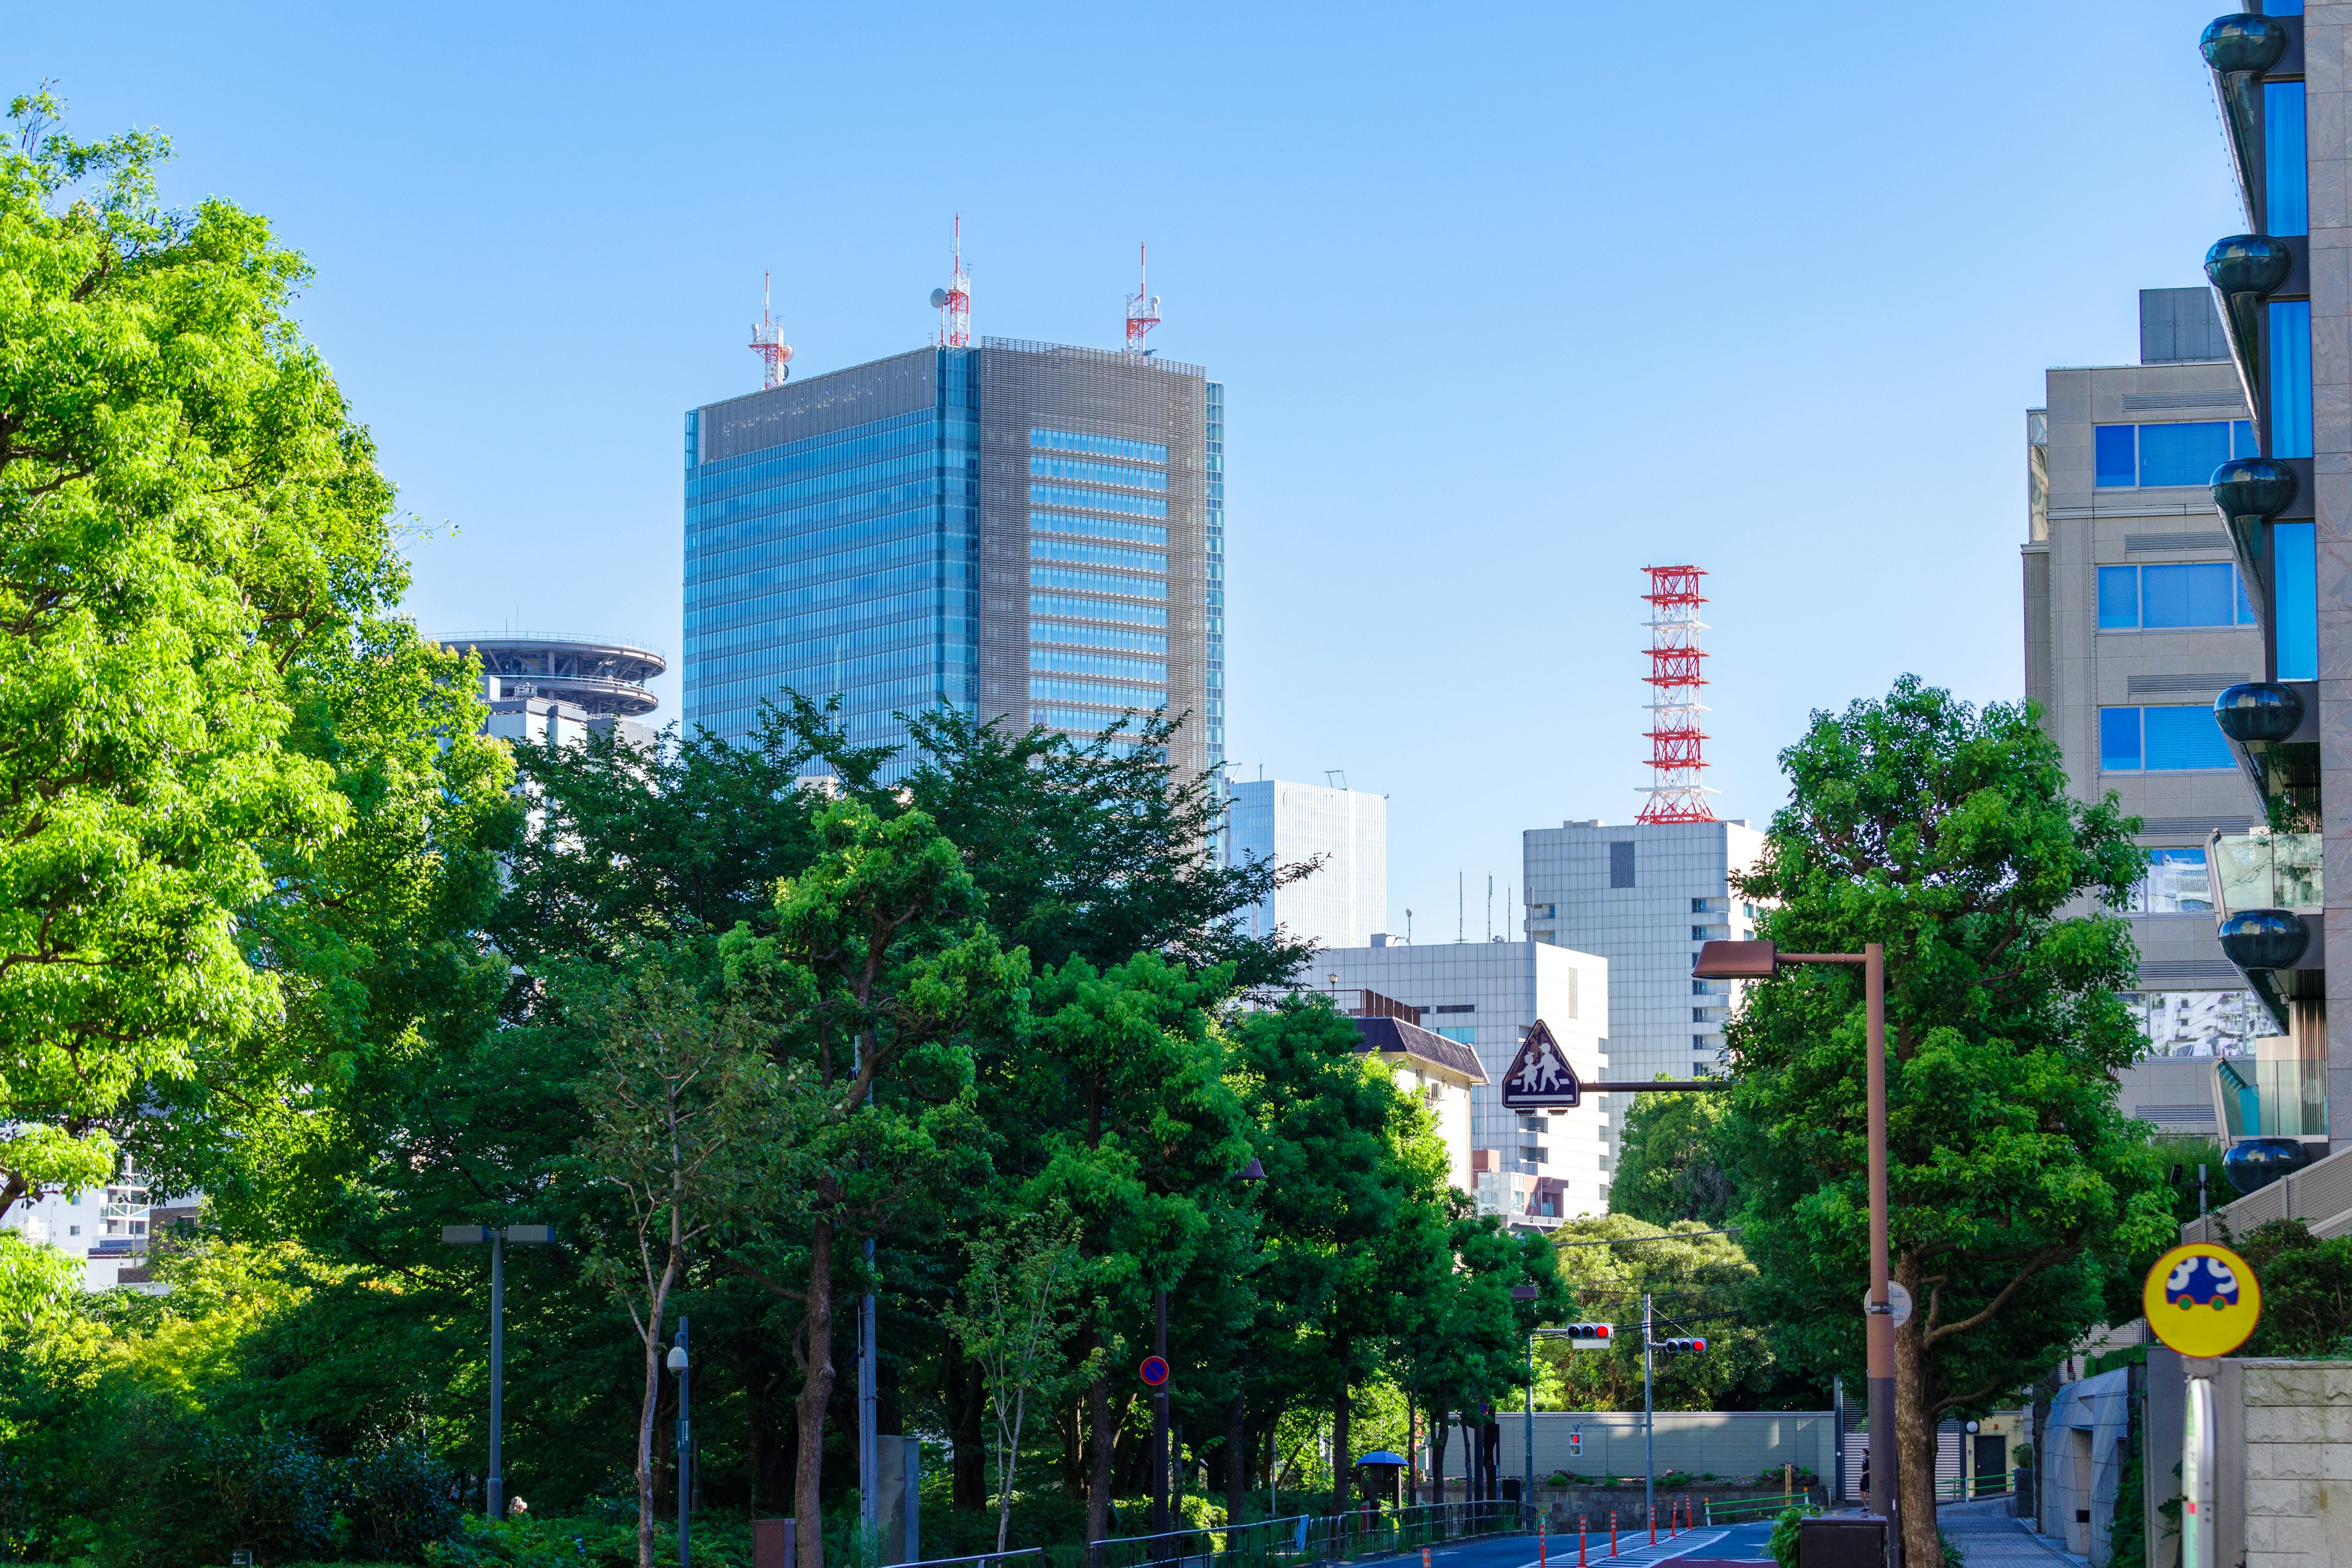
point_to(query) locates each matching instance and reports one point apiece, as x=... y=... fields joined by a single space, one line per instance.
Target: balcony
x=2279 y=1094
x=2266 y=871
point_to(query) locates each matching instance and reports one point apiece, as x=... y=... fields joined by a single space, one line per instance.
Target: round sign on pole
x=1898 y=1297
x=1154 y=1372
x=2201 y=1300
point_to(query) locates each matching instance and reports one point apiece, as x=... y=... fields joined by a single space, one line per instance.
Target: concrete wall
x=1703 y=1442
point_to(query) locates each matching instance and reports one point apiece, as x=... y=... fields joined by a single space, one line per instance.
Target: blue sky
x=1511 y=301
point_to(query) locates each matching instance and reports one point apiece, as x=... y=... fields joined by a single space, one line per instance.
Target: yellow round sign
x=2201 y=1300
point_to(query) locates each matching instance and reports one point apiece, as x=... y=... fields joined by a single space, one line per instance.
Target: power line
x=1668 y=1235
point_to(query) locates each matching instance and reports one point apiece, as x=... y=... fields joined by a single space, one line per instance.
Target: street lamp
x=1527 y=1492
x=1761 y=960
x=678 y=1364
x=495 y=1489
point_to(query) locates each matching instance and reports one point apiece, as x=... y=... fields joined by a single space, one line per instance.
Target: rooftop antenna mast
x=768 y=342
x=954 y=302
x=1676 y=741
x=1142 y=310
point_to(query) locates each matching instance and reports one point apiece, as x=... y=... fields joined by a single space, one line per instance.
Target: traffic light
x=1682 y=1347
x=1588 y=1336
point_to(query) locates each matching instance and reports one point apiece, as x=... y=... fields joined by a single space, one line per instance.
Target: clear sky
x=1510 y=301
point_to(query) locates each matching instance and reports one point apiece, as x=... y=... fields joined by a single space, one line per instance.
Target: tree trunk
x=1098 y=1438
x=646 y=1412
x=1340 y=1489
x=1236 y=1459
x=1914 y=1444
x=971 y=1441
x=817 y=1393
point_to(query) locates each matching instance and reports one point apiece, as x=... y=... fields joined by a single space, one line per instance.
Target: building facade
x=1021 y=531
x=1346 y=901
x=1442 y=1074
x=1533 y=1170
x=2137 y=616
x=1643 y=896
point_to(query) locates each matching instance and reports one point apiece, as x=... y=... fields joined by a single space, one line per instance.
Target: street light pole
x=1761 y=960
x=1160 y=1417
x=494 y=1486
x=1527 y=1487
x=678 y=1364
x=1649 y=1419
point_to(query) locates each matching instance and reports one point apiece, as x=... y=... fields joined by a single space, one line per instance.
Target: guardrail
x=1300 y=1540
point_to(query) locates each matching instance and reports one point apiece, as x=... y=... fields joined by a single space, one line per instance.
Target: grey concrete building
x=1022 y=530
x=2137 y=617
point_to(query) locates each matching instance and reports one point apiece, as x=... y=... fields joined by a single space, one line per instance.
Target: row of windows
x=884 y=430
x=778 y=498
x=839 y=656
x=2162 y=739
x=1096 y=583
x=2178 y=883
x=2163 y=598
x=710 y=610
x=1060 y=661
x=1097 y=527
x=1098 y=500
x=843 y=562
x=2177 y=454
x=1097 y=636
x=2294 y=599
x=1135 y=697
x=897 y=498
x=920 y=524
x=2290 y=378
x=1096 y=609
x=1097 y=473
x=717 y=480
x=1100 y=446
x=1096 y=554
x=893 y=614
x=878 y=694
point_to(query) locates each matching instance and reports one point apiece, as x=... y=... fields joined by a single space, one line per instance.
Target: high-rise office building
x=1643 y=896
x=2137 y=617
x=1346 y=901
x=1021 y=530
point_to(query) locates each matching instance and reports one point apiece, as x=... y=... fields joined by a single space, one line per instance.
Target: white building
x=1346 y=901
x=1643 y=896
x=1442 y=1074
x=103 y=1228
x=1536 y=1169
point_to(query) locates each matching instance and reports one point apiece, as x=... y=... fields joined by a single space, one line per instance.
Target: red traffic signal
x=1588 y=1336
x=1683 y=1347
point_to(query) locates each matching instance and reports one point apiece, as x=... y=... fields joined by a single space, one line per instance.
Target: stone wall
x=2297 y=1420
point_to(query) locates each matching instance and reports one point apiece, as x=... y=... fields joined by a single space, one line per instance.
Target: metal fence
x=1300 y=1540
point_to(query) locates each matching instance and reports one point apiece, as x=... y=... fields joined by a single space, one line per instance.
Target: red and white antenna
x=954 y=302
x=768 y=342
x=1675 y=740
x=1142 y=310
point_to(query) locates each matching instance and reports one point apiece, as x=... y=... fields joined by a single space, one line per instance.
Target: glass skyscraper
x=1024 y=532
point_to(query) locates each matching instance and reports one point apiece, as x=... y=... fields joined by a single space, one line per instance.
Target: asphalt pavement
x=1717 y=1546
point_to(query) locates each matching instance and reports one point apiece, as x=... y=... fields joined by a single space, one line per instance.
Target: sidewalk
x=1989 y=1536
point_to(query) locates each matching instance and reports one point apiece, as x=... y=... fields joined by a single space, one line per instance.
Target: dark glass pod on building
x=2253 y=486
x=2258 y=710
x=2243 y=41
x=2248 y=264
x=2256 y=1162
x=2264 y=939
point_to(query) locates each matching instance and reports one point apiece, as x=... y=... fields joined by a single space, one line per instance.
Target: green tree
x=879 y=971
x=1019 y=1306
x=2018 y=1188
x=197 y=579
x=1670 y=1164
x=1699 y=1287
x=2306 y=1289
x=682 y=1111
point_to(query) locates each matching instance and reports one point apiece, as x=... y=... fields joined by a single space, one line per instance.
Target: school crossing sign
x=2201 y=1300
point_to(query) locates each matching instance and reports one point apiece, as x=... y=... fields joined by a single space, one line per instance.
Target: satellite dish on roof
x=939 y=298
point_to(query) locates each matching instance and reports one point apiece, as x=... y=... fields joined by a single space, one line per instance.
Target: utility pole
x=1649 y=1423
x=869 y=1450
x=1160 y=1418
x=679 y=1363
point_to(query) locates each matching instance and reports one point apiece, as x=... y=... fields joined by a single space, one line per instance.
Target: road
x=1721 y=1546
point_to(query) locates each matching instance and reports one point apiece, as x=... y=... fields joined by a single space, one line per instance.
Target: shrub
x=400 y=1499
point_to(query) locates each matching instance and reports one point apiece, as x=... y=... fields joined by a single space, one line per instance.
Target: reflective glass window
x=1098 y=473
x=2282 y=7
x=2241 y=440
x=2181 y=738
x=2203 y=595
x=2119 y=738
x=2118 y=597
x=2183 y=454
x=2290 y=378
x=1101 y=446
x=2294 y=576
x=2177 y=884
x=2116 y=460
x=2287 y=207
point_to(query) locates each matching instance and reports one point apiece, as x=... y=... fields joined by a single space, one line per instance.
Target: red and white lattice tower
x=1676 y=741
x=768 y=342
x=1142 y=310
x=954 y=301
